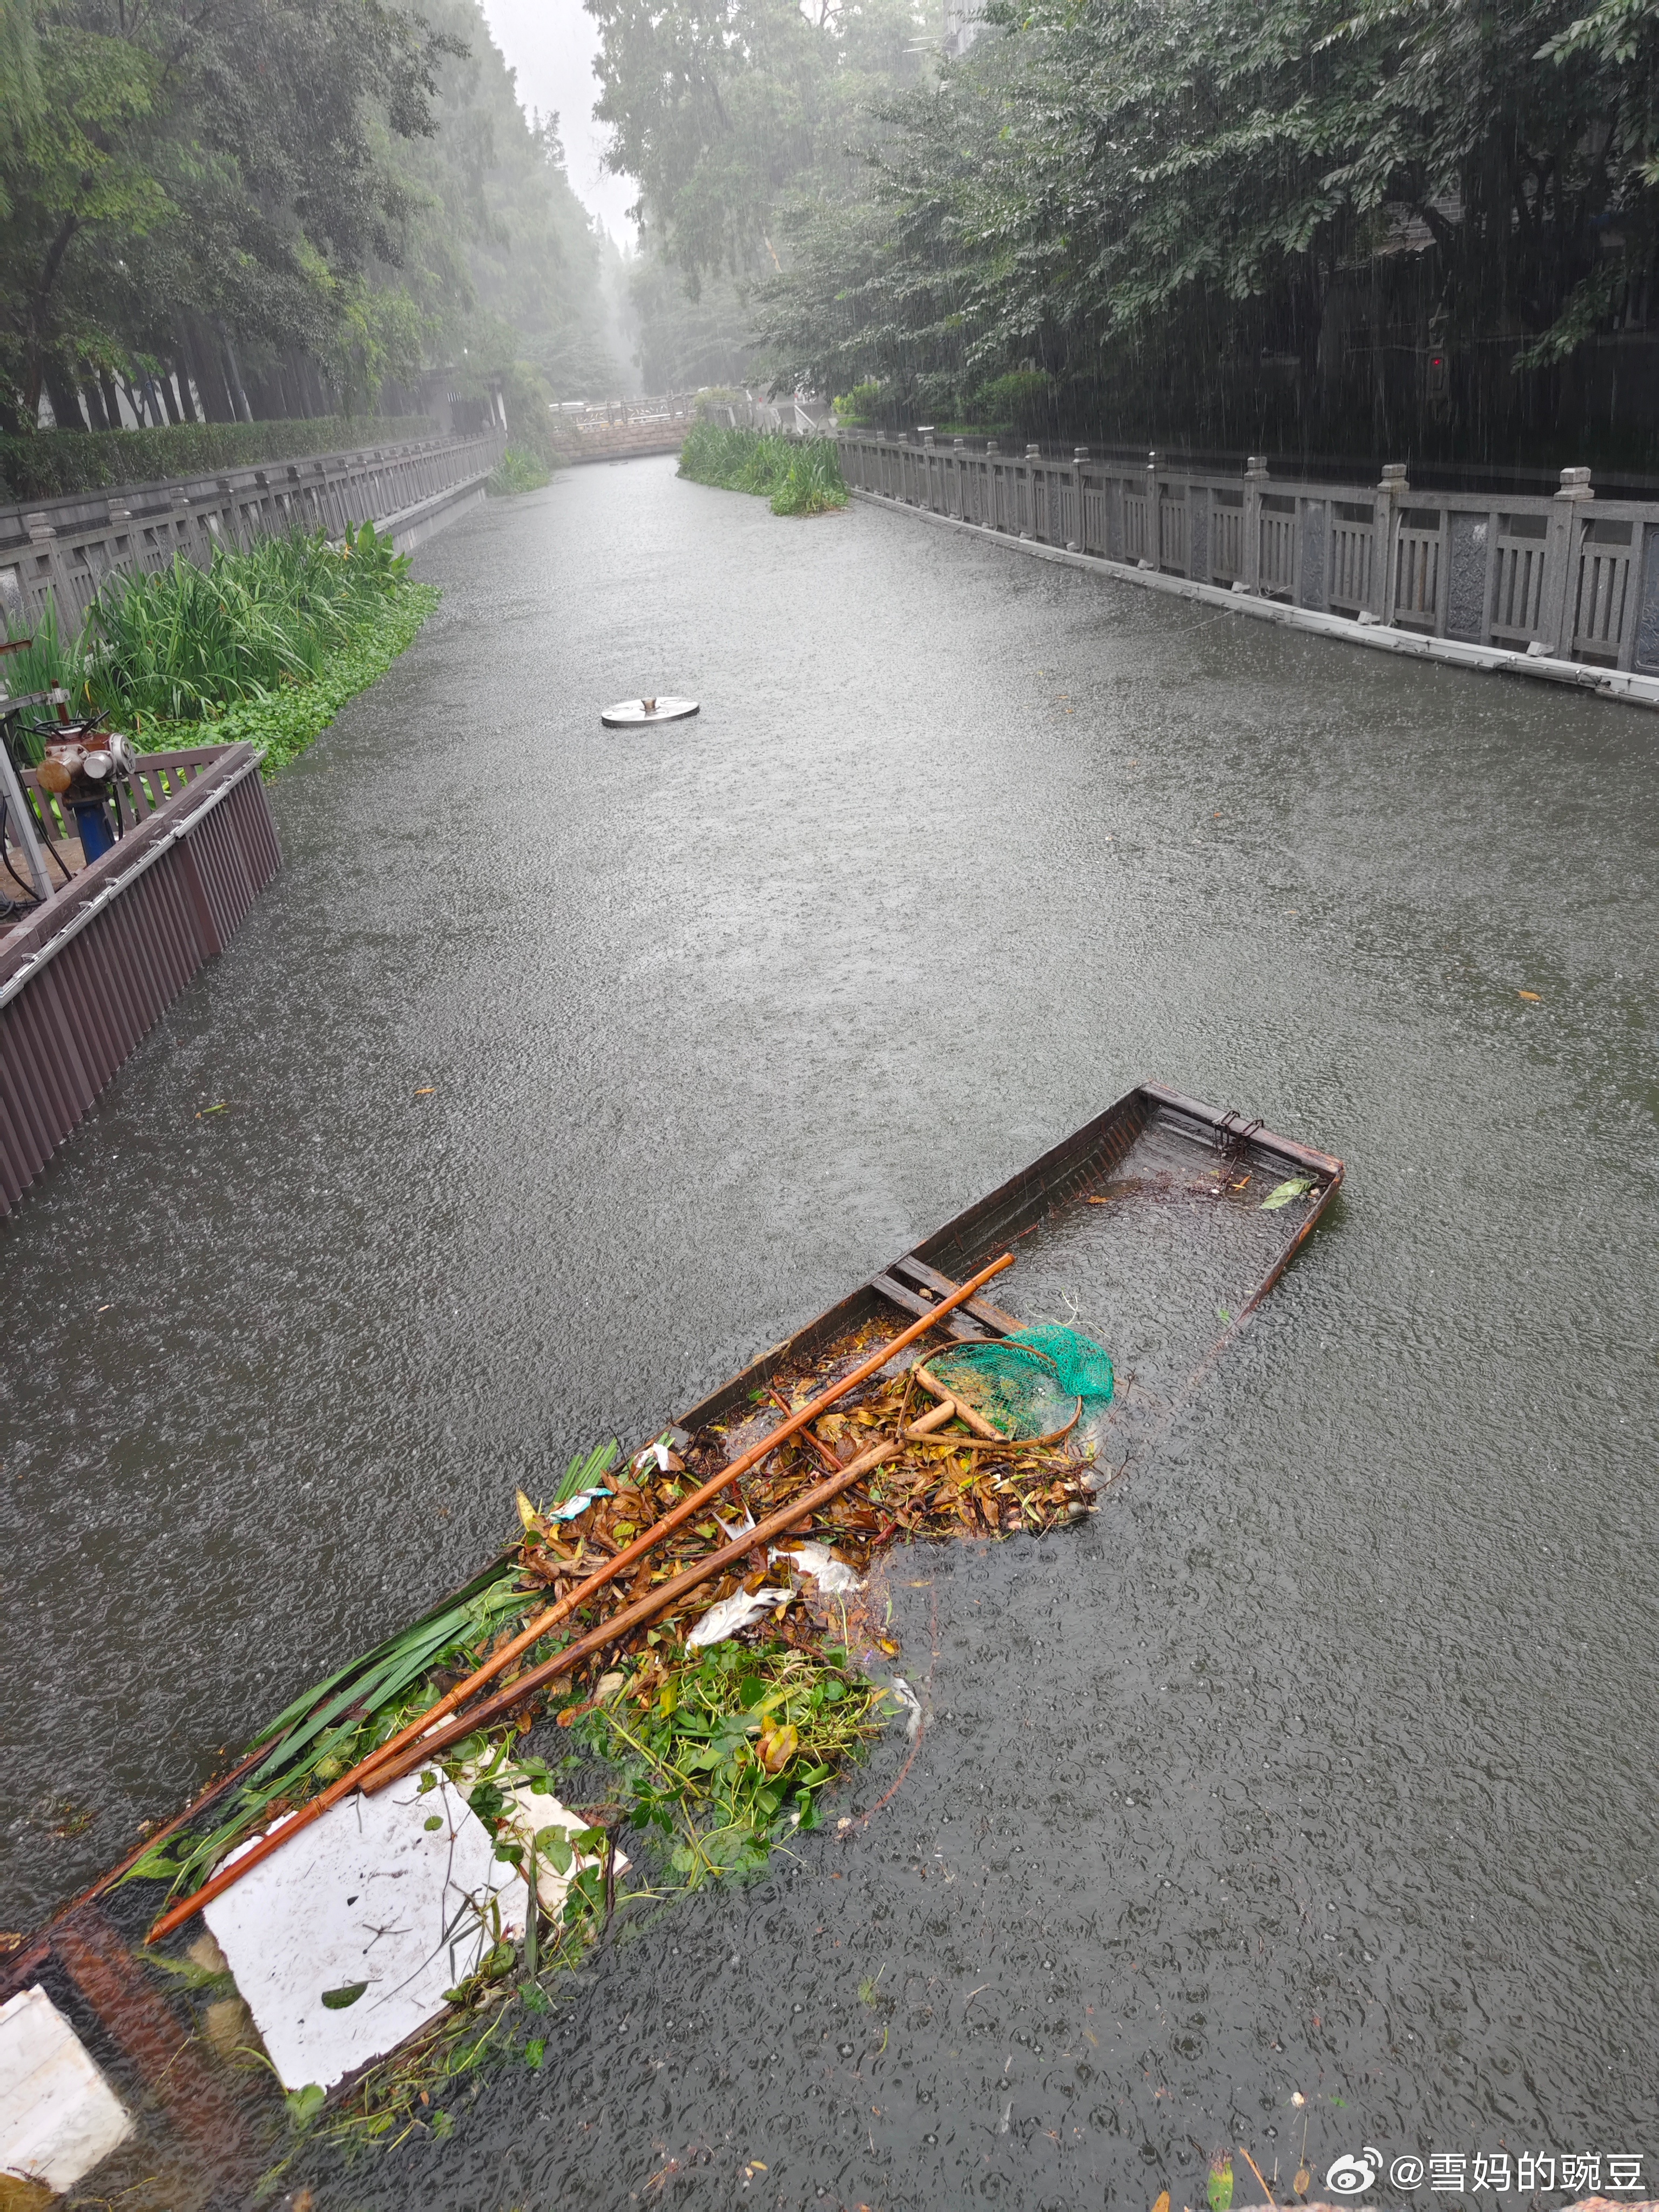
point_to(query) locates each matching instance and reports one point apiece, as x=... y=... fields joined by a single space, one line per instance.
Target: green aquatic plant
x=722 y=1752
x=339 y=1721
x=799 y=477
x=262 y=646
x=280 y=724
x=518 y=469
x=814 y=484
x=48 y=661
x=586 y=1469
x=186 y=643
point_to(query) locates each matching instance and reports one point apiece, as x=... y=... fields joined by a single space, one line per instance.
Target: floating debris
x=1295 y=1187
x=629 y=714
x=732 y=1614
x=58 y=2115
x=834 y=1578
x=696 y=1615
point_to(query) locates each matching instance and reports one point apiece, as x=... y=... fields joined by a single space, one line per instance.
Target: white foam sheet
x=526 y=1813
x=368 y=1894
x=59 y=2116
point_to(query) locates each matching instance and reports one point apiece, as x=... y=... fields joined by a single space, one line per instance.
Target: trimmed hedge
x=54 y=463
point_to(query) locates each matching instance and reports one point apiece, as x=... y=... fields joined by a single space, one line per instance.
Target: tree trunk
x=65 y=399
x=233 y=376
x=210 y=384
x=93 y=396
x=188 y=410
x=141 y=389
x=111 y=399
x=294 y=379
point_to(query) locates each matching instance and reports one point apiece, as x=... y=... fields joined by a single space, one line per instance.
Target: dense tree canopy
x=273 y=206
x=724 y=115
x=1230 y=217
x=1324 y=220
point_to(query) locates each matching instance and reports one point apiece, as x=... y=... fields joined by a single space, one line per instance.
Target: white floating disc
x=628 y=712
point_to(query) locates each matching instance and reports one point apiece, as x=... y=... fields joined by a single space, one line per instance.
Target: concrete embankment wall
x=1562 y=587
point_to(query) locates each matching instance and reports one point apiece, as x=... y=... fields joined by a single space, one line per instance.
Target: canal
x=1305 y=1799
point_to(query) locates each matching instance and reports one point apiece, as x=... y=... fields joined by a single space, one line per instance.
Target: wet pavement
x=562 y=1069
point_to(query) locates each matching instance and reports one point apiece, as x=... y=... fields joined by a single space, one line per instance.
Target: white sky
x=551 y=44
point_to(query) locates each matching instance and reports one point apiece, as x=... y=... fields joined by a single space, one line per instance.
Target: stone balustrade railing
x=617 y=414
x=64 y=548
x=1568 y=577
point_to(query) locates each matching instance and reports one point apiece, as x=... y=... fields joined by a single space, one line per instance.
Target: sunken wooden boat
x=1158 y=1179
x=1157 y=1230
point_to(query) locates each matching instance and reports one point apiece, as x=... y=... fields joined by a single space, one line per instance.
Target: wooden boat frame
x=931 y=1269
x=84 y=1946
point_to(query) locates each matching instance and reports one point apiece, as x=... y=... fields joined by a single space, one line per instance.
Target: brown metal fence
x=95 y=966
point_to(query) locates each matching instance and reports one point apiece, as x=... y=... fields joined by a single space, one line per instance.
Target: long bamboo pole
x=660 y=1599
x=675 y=1517
x=621 y=1624
x=606 y=1572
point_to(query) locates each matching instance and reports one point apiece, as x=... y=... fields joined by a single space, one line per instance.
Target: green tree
x=727 y=116
x=502 y=255
x=197 y=163
x=1234 y=215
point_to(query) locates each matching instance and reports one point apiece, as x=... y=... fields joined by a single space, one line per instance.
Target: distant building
x=963 y=21
x=462 y=412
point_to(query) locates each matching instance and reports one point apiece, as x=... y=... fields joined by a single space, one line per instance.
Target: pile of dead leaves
x=950 y=1483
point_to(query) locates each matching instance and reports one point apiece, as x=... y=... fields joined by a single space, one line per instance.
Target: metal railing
x=1568 y=576
x=91 y=968
x=65 y=547
x=623 y=414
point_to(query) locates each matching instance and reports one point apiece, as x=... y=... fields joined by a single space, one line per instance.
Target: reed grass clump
x=265 y=644
x=518 y=469
x=185 y=643
x=799 y=477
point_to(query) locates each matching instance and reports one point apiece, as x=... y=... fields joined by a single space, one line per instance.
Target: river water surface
x=561 y=1070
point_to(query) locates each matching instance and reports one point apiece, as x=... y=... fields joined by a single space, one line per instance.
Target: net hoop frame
x=1024 y=1350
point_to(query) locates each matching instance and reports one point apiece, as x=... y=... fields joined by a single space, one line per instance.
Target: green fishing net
x=1029 y=1385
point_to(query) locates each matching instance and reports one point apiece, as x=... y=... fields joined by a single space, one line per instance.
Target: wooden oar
x=417 y=1754
x=605 y=1572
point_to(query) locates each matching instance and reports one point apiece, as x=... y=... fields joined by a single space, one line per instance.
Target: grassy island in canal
x=798 y=476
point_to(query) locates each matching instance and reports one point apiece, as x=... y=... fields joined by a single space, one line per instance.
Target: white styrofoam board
x=59 y=2116
x=370 y=1893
